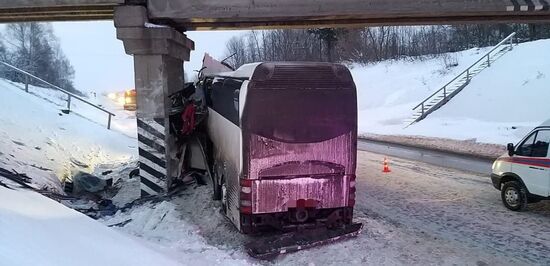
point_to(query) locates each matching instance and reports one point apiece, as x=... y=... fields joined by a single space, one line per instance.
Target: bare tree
x=34 y=48
x=371 y=44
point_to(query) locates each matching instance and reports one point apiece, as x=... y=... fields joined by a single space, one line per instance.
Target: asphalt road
x=439 y=158
x=419 y=214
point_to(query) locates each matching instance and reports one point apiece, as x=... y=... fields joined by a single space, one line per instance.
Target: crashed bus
x=283 y=142
x=278 y=141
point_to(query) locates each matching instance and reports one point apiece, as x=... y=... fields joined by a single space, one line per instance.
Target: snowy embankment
x=38 y=139
x=499 y=106
x=38 y=231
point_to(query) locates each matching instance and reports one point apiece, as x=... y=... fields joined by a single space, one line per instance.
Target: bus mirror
x=511 y=149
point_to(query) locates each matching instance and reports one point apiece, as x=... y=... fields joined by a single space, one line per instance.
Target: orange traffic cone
x=386 y=166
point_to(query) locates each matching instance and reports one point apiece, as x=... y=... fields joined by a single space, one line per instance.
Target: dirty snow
x=499 y=106
x=468 y=147
x=162 y=225
x=417 y=215
x=462 y=210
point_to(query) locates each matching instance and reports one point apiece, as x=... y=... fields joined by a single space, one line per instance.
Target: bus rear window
x=300 y=115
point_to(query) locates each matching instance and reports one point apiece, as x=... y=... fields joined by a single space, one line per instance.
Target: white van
x=523 y=175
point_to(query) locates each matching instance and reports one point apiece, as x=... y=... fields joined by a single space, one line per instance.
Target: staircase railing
x=70 y=95
x=487 y=57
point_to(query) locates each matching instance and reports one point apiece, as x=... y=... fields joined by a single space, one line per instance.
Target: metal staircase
x=457 y=84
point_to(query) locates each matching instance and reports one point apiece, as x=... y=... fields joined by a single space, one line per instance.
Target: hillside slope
x=37 y=139
x=499 y=106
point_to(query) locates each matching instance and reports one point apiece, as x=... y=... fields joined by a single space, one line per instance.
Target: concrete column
x=159 y=53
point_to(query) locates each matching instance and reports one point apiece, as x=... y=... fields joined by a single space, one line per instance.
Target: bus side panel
x=226 y=138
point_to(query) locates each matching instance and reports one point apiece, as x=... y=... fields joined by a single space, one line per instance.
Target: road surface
x=418 y=214
x=439 y=158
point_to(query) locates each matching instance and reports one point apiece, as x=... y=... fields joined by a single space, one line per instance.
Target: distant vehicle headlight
x=121 y=100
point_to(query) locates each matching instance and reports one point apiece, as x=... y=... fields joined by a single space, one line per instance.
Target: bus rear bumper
x=296 y=219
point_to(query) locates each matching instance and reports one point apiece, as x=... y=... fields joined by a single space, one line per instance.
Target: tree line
x=34 y=48
x=371 y=44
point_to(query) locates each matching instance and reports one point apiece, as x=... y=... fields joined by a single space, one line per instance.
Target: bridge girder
x=242 y=14
x=238 y=14
x=57 y=10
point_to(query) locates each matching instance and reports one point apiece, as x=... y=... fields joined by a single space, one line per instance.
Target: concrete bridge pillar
x=159 y=53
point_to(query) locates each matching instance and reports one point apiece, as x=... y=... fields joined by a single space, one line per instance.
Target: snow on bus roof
x=546 y=123
x=245 y=71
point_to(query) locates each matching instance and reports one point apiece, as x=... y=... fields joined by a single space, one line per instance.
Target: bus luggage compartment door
x=279 y=195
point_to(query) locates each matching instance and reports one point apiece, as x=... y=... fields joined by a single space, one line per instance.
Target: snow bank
x=464 y=147
x=38 y=231
x=36 y=138
x=499 y=106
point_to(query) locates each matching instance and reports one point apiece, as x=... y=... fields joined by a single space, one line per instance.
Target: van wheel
x=217 y=187
x=514 y=196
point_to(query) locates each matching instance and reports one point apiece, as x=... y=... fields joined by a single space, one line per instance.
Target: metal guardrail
x=70 y=95
x=487 y=57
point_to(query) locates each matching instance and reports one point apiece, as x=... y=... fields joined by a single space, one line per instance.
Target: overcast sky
x=99 y=59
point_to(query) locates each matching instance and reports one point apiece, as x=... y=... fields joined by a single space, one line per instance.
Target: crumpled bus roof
x=245 y=71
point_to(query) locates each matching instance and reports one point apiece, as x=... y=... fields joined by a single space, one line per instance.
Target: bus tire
x=224 y=197
x=514 y=196
x=217 y=186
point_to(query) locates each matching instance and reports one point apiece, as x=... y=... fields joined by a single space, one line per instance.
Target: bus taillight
x=246 y=196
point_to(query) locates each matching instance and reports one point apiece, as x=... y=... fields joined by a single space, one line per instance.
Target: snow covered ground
x=39 y=140
x=163 y=225
x=35 y=230
x=416 y=215
x=36 y=138
x=499 y=106
x=458 y=216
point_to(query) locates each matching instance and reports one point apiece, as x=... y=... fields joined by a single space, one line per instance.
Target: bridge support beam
x=159 y=53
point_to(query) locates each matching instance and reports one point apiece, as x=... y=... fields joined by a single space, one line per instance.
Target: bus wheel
x=224 y=197
x=217 y=187
x=514 y=196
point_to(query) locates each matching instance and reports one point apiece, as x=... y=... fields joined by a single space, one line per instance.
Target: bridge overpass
x=57 y=10
x=238 y=14
x=159 y=52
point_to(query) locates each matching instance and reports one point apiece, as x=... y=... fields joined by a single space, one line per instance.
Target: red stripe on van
x=539 y=162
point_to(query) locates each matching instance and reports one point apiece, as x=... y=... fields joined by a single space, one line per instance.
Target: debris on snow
x=78 y=141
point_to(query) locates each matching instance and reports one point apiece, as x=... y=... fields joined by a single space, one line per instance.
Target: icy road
x=417 y=215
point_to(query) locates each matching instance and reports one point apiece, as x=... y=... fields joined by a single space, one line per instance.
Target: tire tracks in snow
x=453 y=205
